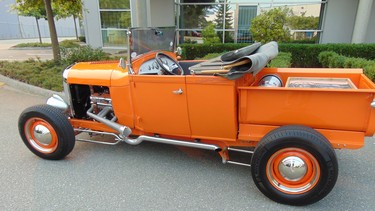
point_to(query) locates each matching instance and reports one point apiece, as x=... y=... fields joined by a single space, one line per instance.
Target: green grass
x=32 y=45
x=45 y=74
x=48 y=74
x=64 y=43
x=283 y=59
x=69 y=44
x=210 y=56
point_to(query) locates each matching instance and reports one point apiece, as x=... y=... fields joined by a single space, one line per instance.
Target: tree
x=52 y=31
x=303 y=23
x=37 y=11
x=194 y=15
x=59 y=8
x=271 y=26
x=67 y=9
x=219 y=20
x=209 y=35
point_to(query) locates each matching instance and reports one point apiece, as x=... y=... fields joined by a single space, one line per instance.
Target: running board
x=235 y=162
x=92 y=132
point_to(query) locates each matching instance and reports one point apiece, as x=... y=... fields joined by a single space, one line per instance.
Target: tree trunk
x=52 y=31
x=75 y=27
x=37 y=26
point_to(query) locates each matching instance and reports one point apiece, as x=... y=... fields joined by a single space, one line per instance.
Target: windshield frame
x=142 y=40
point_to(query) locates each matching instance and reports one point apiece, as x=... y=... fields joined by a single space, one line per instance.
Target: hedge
x=193 y=51
x=303 y=55
x=335 y=60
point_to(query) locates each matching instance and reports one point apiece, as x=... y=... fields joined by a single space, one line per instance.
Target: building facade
x=13 y=26
x=107 y=21
x=348 y=21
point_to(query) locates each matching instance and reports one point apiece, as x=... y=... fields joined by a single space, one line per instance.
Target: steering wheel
x=169 y=69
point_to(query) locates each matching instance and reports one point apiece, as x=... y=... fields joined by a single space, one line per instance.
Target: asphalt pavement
x=150 y=176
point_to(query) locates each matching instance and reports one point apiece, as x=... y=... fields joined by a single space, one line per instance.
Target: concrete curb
x=27 y=87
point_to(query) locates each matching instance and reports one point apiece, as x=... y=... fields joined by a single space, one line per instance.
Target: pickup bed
x=343 y=116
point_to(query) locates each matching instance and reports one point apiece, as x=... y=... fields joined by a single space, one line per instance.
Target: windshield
x=143 y=40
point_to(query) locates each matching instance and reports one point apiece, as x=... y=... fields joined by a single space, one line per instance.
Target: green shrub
x=190 y=41
x=303 y=55
x=193 y=51
x=82 y=38
x=209 y=35
x=306 y=55
x=304 y=41
x=81 y=54
x=335 y=60
x=369 y=71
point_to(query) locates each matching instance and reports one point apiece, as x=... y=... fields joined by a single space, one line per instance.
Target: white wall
x=162 y=13
x=64 y=27
x=339 y=20
x=370 y=38
x=139 y=14
x=153 y=13
x=9 y=25
x=92 y=23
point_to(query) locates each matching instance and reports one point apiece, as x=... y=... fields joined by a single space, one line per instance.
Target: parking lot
x=150 y=176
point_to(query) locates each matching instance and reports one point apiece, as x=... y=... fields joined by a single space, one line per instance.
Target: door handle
x=177 y=92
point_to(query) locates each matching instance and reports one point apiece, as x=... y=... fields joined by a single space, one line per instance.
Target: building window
x=194 y=16
x=232 y=18
x=115 y=19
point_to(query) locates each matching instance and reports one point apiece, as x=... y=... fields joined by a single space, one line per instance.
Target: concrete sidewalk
x=7 y=53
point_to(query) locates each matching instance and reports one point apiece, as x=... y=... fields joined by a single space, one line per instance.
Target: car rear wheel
x=46 y=131
x=294 y=165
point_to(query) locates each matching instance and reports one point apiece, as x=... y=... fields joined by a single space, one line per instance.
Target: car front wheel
x=46 y=131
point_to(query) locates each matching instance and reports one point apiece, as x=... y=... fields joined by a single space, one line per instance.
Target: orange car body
x=212 y=109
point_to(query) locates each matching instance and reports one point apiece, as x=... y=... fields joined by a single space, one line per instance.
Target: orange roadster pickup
x=288 y=121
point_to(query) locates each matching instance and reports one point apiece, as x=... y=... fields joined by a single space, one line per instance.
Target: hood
x=92 y=73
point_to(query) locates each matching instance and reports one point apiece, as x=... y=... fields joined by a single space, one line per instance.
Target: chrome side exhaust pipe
x=177 y=143
x=123 y=130
x=124 y=133
x=142 y=138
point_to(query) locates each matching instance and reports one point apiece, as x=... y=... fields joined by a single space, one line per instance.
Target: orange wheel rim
x=41 y=135
x=293 y=171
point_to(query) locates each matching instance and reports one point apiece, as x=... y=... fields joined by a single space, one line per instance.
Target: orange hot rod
x=289 y=121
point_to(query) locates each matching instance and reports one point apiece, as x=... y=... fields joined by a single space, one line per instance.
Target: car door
x=160 y=104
